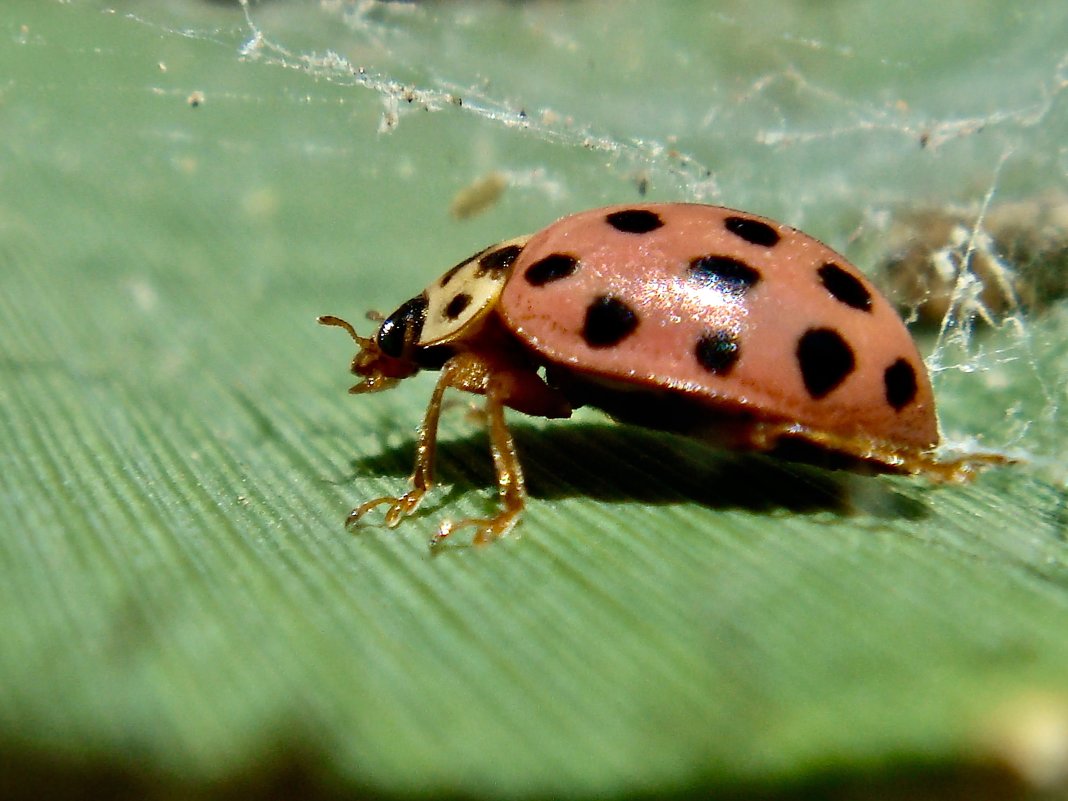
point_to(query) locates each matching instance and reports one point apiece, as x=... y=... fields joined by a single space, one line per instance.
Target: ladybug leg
x=423 y=475
x=878 y=456
x=510 y=483
x=503 y=385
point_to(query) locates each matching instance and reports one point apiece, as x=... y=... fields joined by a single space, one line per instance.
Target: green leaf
x=186 y=186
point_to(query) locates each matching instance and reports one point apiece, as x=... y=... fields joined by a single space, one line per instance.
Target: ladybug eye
x=402 y=328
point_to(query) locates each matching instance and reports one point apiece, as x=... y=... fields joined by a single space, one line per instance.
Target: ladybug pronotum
x=694 y=319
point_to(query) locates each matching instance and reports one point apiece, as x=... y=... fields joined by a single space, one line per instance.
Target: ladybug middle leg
x=510 y=483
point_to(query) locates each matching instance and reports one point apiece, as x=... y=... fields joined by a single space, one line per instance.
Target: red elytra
x=755 y=295
x=689 y=318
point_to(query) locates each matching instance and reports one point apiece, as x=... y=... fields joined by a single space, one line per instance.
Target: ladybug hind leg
x=866 y=454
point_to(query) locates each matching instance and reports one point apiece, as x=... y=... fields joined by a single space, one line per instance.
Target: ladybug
x=693 y=319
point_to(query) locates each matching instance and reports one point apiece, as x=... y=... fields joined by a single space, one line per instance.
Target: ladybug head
x=388 y=357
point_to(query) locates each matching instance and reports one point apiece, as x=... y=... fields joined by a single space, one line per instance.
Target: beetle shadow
x=617 y=463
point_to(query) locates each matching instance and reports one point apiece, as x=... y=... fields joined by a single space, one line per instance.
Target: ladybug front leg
x=423 y=476
x=502 y=384
x=510 y=484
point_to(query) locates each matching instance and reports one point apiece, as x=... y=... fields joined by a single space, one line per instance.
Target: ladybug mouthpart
x=378 y=370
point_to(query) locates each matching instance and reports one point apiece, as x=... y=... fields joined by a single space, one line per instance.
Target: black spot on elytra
x=551 y=268
x=900 y=380
x=402 y=328
x=845 y=286
x=608 y=322
x=457 y=305
x=754 y=232
x=724 y=273
x=717 y=352
x=825 y=360
x=498 y=261
x=634 y=221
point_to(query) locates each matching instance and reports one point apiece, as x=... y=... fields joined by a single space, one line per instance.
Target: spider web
x=932 y=155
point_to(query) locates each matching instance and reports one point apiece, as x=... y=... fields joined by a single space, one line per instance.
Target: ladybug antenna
x=337 y=322
x=378 y=370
